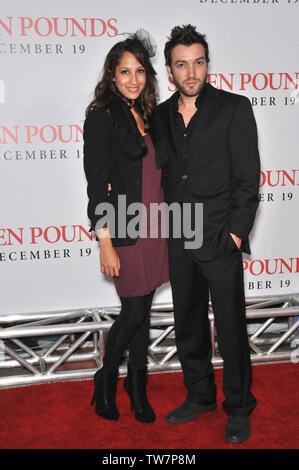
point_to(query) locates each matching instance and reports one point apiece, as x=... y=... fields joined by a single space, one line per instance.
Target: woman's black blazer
x=110 y=140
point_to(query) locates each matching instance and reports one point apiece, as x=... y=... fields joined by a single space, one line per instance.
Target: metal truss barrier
x=65 y=340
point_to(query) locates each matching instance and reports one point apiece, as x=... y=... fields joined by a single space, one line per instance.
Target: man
x=208 y=145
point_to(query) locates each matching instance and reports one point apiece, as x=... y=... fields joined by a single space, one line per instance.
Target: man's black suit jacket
x=222 y=169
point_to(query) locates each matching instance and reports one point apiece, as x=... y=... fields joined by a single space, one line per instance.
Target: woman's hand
x=110 y=264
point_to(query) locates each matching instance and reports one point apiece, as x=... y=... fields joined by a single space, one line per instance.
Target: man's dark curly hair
x=186 y=35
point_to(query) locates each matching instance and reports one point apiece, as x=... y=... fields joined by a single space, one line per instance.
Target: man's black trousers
x=191 y=281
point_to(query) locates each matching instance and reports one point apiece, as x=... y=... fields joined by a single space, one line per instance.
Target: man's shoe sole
x=203 y=409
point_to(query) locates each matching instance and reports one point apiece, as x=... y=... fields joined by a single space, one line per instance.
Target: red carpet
x=59 y=416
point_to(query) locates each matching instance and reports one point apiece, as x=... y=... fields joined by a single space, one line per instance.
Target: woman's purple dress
x=144 y=265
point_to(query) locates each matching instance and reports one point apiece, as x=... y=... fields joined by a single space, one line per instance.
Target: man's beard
x=195 y=92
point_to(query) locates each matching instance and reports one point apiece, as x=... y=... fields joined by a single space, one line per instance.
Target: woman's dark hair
x=185 y=35
x=106 y=88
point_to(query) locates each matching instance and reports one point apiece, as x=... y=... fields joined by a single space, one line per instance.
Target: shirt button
x=185 y=135
x=185 y=156
x=184 y=177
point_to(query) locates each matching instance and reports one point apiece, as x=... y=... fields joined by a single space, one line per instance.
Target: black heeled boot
x=105 y=384
x=135 y=386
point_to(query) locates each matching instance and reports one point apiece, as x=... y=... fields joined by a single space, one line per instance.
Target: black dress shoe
x=237 y=429
x=188 y=411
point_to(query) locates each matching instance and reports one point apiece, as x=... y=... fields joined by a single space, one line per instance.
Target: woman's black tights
x=131 y=328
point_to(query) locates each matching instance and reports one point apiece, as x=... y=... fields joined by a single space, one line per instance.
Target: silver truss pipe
x=52 y=330
x=275 y=298
x=266 y=303
x=68 y=352
x=261 y=329
x=165 y=306
x=59 y=341
x=160 y=349
x=101 y=347
x=21 y=361
x=34 y=316
x=255 y=348
x=21 y=331
x=55 y=346
x=26 y=348
x=80 y=357
x=284 y=337
x=96 y=347
x=212 y=334
x=161 y=337
x=151 y=359
x=58 y=376
x=272 y=312
x=169 y=355
x=98 y=342
x=47 y=321
x=85 y=374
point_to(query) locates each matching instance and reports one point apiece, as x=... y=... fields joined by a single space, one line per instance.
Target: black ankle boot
x=105 y=384
x=135 y=386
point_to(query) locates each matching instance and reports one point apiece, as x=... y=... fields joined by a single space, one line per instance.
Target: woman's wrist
x=104 y=237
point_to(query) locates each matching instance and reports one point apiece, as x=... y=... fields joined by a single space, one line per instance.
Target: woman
x=119 y=162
